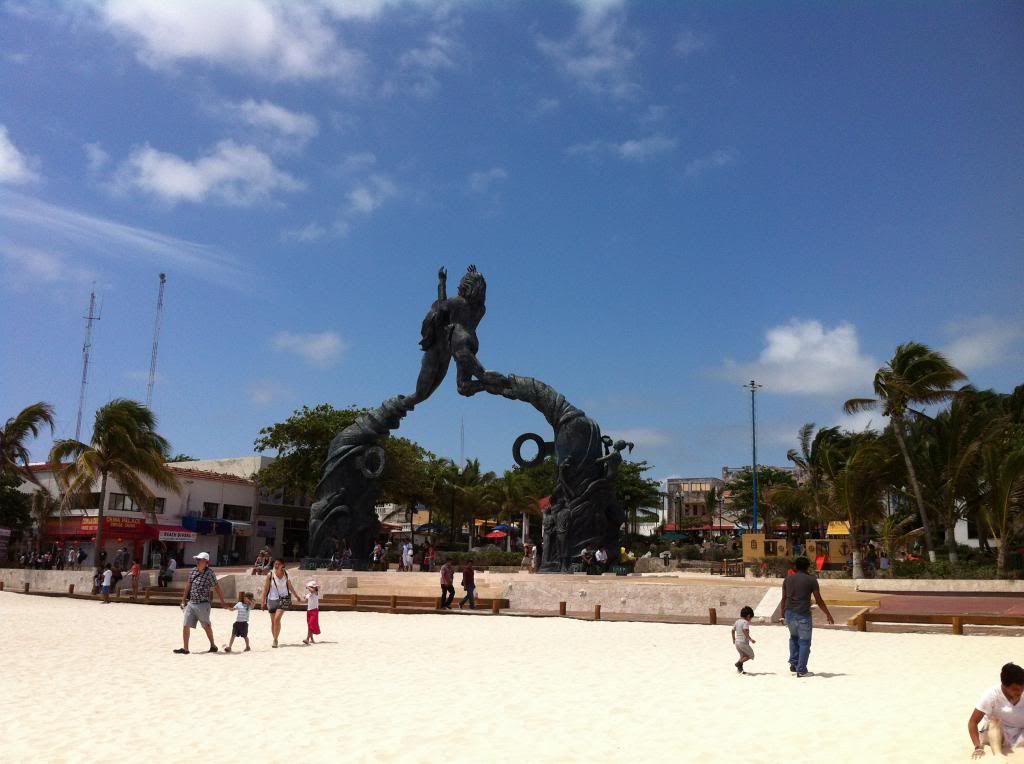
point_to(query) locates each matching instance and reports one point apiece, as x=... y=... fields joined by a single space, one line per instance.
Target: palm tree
x=511 y=496
x=857 y=488
x=915 y=376
x=43 y=506
x=1004 y=506
x=126 y=446
x=813 y=461
x=14 y=453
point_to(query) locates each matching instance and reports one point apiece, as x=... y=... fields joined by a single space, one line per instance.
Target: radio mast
x=86 y=347
x=156 y=339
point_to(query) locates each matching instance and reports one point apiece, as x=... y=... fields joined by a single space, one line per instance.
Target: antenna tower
x=86 y=347
x=156 y=339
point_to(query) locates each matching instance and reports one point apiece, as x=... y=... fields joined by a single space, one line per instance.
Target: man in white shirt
x=998 y=719
x=601 y=557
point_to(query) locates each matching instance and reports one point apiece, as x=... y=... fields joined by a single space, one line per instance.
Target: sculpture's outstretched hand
x=442 y=274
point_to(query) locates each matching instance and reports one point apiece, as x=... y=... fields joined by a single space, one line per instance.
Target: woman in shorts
x=277 y=596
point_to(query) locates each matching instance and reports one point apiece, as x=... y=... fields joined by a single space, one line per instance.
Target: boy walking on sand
x=241 y=626
x=741 y=637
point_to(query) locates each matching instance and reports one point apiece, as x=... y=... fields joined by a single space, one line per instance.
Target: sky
x=667 y=200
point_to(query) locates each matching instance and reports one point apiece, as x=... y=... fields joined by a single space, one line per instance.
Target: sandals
x=181 y=651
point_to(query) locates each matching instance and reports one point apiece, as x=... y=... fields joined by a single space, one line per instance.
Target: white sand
x=83 y=681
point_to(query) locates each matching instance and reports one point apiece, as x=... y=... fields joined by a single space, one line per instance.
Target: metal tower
x=86 y=347
x=156 y=339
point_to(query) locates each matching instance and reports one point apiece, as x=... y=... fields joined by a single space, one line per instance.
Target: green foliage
x=182 y=458
x=943 y=569
x=14 y=505
x=303 y=440
x=14 y=437
x=768 y=480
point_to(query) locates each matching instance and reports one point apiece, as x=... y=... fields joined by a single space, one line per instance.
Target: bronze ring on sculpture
x=543 y=449
x=371 y=462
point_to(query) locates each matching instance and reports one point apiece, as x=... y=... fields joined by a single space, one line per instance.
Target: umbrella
x=496 y=535
x=428 y=528
x=500 y=527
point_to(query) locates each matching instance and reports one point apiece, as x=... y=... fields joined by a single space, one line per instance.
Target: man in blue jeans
x=797 y=589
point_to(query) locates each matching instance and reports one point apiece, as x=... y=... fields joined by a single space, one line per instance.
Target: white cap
x=312 y=584
x=202 y=556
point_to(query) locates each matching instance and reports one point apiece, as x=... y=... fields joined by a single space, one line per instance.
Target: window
x=753 y=544
x=86 y=501
x=125 y=503
x=238 y=513
x=210 y=510
x=771 y=548
x=972 y=528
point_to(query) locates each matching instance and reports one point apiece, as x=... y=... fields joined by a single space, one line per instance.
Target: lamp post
x=753 y=387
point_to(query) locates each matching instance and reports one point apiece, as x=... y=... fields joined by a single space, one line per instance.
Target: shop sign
x=182 y=535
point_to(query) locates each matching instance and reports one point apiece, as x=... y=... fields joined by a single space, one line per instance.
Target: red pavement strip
x=945 y=604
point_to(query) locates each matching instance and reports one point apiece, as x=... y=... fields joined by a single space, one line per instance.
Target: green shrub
x=943 y=569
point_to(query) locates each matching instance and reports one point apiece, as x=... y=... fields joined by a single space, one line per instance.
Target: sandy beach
x=85 y=681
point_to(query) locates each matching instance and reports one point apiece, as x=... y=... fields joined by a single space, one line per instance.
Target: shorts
x=744 y=649
x=240 y=629
x=105 y=590
x=1012 y=736
x=313 y=621
x=197 y=612
x=273 y=605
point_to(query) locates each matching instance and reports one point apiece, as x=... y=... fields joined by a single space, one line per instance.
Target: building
x=686 y=503
x=219 y=508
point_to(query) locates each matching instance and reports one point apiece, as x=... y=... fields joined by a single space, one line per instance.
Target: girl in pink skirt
x=312 y=612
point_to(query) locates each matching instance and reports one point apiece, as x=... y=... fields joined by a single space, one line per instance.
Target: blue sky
x=666 y=199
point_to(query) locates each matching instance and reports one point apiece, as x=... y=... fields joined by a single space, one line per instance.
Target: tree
x=303 y=440
x=182 y=458
x=915 y=376
x=1002 y=473
x=637 y=494
x=813 y=460
x=14 y=504
x=768 y=480
x=14 y=453
x=124 y=445
x=858 y=486
x=43 y=505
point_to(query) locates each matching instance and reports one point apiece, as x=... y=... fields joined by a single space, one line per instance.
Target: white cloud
x=317 y=349
x=717 y=158
x=304 y=234
x=862 y=421
x=597 y=56
x=482 y=181
x=232 y=173
x=265 y=392
x=286 y=129
x=95 y=156
x=634 y=149
x=369 y=195
x=983 y=341
x=27 y=220
x=689 y=42
x=357 y=163
x=15 y=167
x=276 y=40
x=642 y=437
x=40 y=271
x=545 y=106
x=420 y=66
x=644 y=148
x=803 y=357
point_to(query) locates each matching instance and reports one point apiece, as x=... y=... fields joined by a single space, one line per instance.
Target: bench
x=861 y=620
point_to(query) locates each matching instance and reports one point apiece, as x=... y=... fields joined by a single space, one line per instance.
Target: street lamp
x=753 y=387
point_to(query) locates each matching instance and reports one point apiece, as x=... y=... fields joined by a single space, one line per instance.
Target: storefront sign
x=176 y=535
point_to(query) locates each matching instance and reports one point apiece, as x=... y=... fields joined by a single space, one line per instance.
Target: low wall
x=691 y=599
x=940 y=585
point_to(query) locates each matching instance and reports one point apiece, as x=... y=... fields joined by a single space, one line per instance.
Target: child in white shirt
x=240 y=628
x=741 y=637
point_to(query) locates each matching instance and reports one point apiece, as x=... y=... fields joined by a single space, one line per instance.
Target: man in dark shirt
x=796 y=610
x=469 y=584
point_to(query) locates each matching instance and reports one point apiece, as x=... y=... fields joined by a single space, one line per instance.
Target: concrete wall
x=671 y=598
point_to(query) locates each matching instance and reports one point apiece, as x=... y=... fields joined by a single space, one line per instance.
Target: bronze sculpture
x=583 y=509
